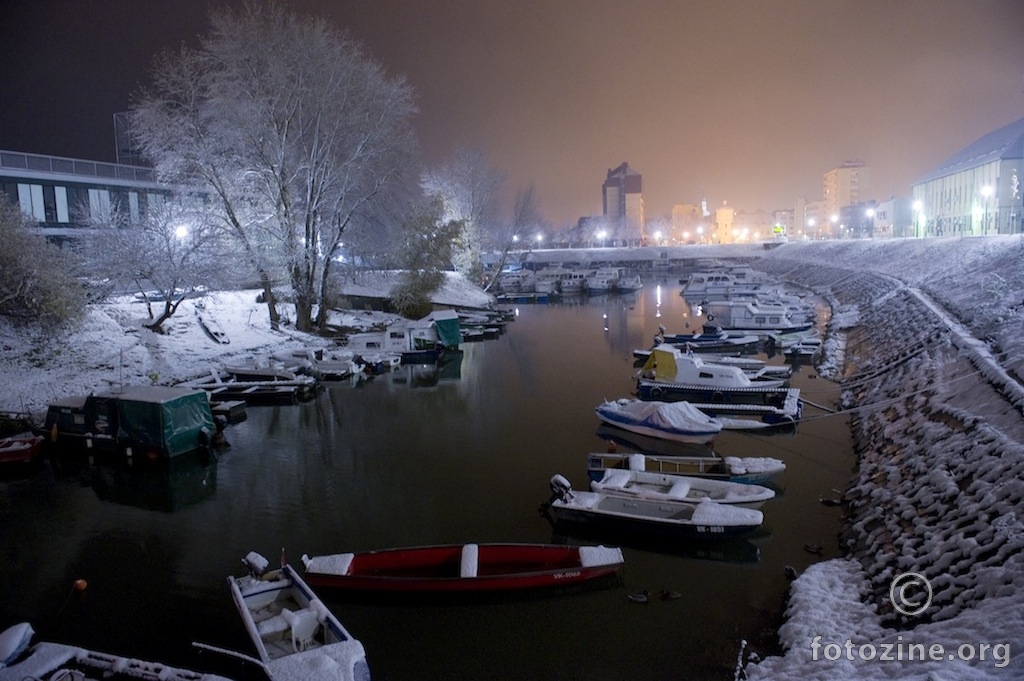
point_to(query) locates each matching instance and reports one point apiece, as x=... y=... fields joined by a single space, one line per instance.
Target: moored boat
x=157 y=421
x=668 y=364
x=665 y=486
x=22 y=448
x=678 y=421
x=294 y=633
x=681 y=519
x=22 y=660
x=756 y=470
x=463 y=568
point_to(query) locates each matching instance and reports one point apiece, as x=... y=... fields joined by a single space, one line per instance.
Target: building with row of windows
x=977 y=191
x=63 y=194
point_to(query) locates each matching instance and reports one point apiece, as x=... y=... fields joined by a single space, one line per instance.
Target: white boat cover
x=672 y=417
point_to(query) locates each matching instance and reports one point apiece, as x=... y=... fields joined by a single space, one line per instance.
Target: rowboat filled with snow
x=22 y=660
x=748 y=470
x=295 y=635
x=680 y=519
x=668 y=487
x=463 y=568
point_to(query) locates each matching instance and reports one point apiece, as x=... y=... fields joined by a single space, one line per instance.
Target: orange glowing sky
x=745 y=101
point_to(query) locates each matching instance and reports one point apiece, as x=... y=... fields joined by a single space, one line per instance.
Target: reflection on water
x=424 y=455
x=168 y=485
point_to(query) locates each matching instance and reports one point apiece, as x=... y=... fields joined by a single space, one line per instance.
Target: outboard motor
x=560 y=488
x=256 y=564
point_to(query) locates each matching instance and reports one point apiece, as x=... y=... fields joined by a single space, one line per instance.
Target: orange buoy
x=80 y=585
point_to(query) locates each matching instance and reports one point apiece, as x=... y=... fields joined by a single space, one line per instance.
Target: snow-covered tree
x=37 y=282
x=525 y=214
x=467 y=188
x=291 y=130
x=170 y=253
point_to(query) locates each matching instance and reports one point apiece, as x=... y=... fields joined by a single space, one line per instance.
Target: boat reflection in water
x=735 y=550
x=166 y=485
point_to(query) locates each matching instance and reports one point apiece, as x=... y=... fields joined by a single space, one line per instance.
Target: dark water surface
x=419 y=457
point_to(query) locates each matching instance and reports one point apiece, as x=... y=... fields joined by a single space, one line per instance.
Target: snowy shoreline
x=938 y=430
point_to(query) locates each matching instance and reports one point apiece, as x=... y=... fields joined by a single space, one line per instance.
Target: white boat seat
x=278 y=624
x=304 y=624
x=470 y=560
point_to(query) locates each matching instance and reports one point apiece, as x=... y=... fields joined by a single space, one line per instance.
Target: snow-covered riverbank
x=112 y=347
x=939 y=492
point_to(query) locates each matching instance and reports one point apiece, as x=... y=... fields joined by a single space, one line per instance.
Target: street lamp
x=810 y=225
x=834 y=219
x=870 y=213
x=918 y=216
x=986 y=192
x=601 y=235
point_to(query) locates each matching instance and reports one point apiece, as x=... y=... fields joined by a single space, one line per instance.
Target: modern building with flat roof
x=62 y=194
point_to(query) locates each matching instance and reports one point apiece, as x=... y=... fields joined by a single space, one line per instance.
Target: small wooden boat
x=22 y=448
x=755 y=470
x=295 y=634
x=468 y=568
x=678 y=421
x=682 y=519
x=665 y=486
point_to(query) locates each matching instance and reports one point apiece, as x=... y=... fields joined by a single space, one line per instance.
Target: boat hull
x=437 y=569
x=20 y=448
x=749 y=470
x=681 y=520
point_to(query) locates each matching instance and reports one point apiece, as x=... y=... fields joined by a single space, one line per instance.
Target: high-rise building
x=847 y=185
x=623 y=199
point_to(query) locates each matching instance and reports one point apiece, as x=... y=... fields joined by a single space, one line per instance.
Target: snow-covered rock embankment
x=939 y=492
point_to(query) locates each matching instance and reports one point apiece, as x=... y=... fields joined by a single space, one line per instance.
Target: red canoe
x=462 y=568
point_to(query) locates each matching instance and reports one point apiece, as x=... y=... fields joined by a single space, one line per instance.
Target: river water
x=424 y=457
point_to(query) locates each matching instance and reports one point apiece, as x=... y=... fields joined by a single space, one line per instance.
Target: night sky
x=745 y=101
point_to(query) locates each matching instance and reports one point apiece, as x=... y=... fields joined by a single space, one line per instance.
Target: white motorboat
x=747 y=316
x=680 y=519
x=669 y=364
x=21 y=660
x=612 y=280
x=668 y=487
x=295 y=635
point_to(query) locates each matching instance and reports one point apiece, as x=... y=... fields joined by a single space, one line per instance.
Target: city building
x=63 y=194
x=894 y=218
x=977 y=191
x=847 y=185
x=623 y=201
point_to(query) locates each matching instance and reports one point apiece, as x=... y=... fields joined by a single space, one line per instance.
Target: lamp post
x=835 y=220
x=918 y=209
x=870 y=214
x=986 y=192
x=810 y=225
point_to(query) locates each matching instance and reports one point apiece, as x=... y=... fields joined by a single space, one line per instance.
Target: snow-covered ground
x=112 y=347
x=927 y=337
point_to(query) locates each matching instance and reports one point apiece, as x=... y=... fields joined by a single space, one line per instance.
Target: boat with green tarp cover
x=155 y=421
